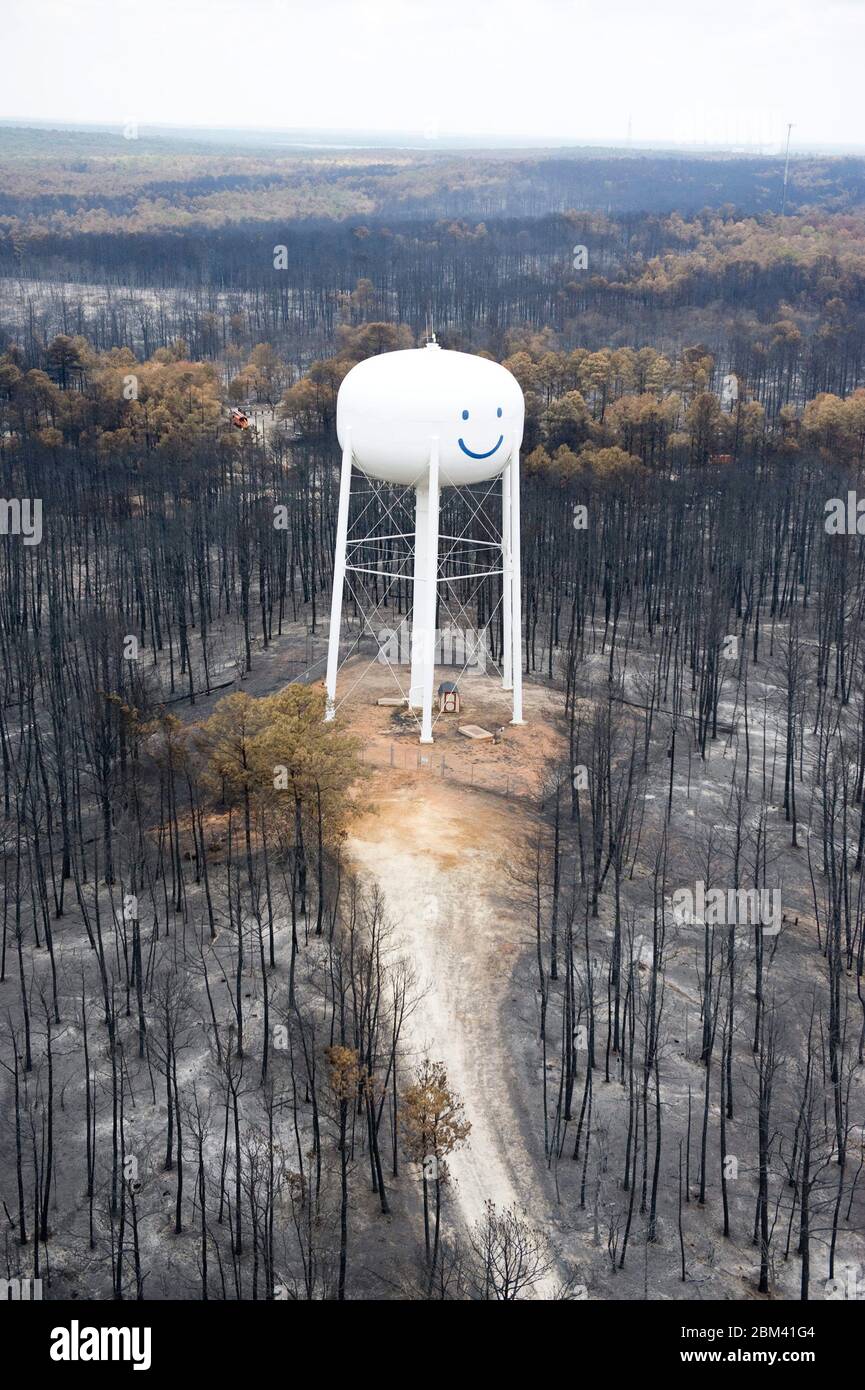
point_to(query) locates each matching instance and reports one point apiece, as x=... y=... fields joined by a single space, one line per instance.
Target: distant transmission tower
x=786 y=170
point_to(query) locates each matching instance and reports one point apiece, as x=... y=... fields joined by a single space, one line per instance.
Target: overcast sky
x=731 y=72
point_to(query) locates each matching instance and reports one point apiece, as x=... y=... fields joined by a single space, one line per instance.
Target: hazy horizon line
x=363 y=137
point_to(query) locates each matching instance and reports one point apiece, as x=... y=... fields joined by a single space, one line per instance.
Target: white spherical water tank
x=394 y=404
x=428 y=419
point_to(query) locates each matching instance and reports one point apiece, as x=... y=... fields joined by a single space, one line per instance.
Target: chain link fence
x=425 y=762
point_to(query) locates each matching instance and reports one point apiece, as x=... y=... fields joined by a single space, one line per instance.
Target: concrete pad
x=474 y=731
x=395 y=700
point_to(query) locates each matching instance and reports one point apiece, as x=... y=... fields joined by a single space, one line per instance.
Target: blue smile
x=471 y=453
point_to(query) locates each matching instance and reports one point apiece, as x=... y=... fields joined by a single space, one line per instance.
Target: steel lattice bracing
x=435 y=563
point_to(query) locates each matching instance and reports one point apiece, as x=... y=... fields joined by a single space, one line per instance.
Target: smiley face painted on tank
x=483 y=453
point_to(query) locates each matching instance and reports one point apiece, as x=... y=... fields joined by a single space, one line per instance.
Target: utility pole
x=786 y=169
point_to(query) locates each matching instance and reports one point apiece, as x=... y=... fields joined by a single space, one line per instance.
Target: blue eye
x=499 y=412
x=465 y=415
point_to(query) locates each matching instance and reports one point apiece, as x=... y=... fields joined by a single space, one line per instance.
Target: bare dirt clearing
x=514 y=766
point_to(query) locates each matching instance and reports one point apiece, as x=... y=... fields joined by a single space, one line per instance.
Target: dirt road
x=440 y=855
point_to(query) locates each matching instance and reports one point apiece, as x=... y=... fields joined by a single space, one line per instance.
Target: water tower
x=428 y=419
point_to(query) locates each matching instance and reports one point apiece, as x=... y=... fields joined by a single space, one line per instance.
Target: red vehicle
x=239 y=419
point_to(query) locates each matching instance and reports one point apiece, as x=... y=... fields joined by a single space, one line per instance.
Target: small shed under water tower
x=449 y=698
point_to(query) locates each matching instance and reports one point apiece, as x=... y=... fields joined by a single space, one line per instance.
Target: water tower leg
x=338 y=579
x=418 y=601
x=516 y=590
x=507 y=584
x=430 y=594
